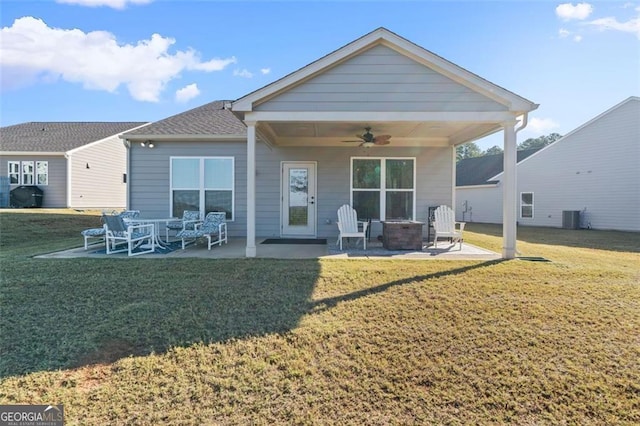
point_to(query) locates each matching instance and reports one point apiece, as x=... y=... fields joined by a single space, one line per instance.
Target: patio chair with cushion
x=349 y=226
x=214 y=229
x=189 y=219
x=118 y=232
x=445 y=226
x=98 y=233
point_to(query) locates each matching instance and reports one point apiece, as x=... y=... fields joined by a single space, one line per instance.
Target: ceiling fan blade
x=382 y=139
x=351 y=141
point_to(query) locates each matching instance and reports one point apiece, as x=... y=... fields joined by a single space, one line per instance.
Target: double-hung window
x=383 y=188
x=205 y=184
x=28 y=172
x=526 y=205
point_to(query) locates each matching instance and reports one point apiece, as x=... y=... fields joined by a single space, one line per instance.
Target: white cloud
x=243 y=73
x=265 y=71
x=541 y=126
x=115 y=4
x=567 y=11
x=577 y=38
x=32 y=51
x=631 y=26
x=187 y=93
x=563 y=32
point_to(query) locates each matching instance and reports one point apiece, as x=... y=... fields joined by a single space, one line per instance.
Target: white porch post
x=251 y=189
x=509 y=192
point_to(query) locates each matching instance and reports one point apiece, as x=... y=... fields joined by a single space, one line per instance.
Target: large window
x=205 y=184
x=526 y=204
x=383 y=188
x=28 y=172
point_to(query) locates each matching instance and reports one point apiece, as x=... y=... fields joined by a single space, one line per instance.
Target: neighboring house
x=77 y=165
x=276 y=160
x=594 y=170
x=475 y=187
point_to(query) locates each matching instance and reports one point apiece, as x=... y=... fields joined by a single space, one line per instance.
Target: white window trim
x=16 y=172
x=202 y=189
x=23 y=174
x=35 y=173
x=383 y=182
x=522 y=204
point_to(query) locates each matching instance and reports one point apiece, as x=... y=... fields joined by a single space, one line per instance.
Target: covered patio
x=385 y=83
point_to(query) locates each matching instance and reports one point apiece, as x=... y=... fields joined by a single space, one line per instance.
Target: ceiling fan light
x=367 y=144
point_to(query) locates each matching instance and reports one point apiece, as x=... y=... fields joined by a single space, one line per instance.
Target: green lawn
x=251 y=341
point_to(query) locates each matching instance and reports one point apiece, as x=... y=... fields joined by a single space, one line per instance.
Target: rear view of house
x=590 y=178
x=74 y=164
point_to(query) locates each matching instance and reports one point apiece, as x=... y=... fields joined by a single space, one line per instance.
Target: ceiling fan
x=367 y=139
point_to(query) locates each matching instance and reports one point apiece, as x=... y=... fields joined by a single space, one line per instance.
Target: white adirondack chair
x=349 y=226
x=445 y=226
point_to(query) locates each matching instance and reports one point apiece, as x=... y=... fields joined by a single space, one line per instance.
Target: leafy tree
x=493 y=150
x=468 y=150
x=539 y=142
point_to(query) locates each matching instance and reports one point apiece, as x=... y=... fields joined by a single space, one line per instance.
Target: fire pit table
x=402 y=235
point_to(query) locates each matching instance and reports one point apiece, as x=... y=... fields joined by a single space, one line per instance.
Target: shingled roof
x=478 y=170
x=58 y=136
x=209 y=119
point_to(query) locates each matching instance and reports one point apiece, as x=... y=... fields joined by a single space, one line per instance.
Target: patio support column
x=251 y=189
x=509 y=192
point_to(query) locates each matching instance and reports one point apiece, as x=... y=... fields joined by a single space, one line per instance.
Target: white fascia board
x=383 y=36
x=74 y=150
x=182 y=138
x=486 y=185
x=246 y=103
x=370 y=116
x=33 y=153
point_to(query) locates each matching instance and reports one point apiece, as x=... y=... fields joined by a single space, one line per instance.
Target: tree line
x=471 y=149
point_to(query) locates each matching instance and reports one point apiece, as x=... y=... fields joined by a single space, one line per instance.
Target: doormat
x=295 y=241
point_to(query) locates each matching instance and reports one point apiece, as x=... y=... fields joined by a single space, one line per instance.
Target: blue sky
x=144 y=60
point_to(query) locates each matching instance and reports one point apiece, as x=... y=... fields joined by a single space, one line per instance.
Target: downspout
x=525 y=121
x=67 y=156
x=127 y=145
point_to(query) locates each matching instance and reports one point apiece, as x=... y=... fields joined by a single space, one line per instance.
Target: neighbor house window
x=42 y=173
x=383 y=188
x=205 y=184
x=14 y=172
x=526 y=204
x=27 y=173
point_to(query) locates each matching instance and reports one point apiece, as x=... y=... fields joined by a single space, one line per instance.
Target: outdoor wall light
x=146 y=144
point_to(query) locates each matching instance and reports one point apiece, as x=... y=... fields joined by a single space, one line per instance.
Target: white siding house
x=595 y=169
x=76 y=164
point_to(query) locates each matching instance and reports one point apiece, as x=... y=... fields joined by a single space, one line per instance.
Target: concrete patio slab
x=235 y=249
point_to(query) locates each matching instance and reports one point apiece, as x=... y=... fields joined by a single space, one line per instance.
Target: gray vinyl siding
x=101 y=184
x=55 y=192
x=380 y=79
x=149 y=180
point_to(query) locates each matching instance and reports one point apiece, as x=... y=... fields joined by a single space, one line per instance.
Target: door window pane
x=399 y=205
x=185 y=173
x=399 y=174
x=298 y=196
x=366 y=174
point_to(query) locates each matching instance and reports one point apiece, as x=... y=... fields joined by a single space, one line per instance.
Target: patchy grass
x=197 y=341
